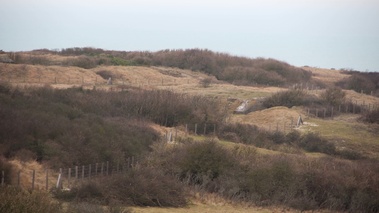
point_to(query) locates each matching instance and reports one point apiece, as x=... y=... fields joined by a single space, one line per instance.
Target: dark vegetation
x=76 y=126
x=244 y=175
x=371 y=116
x=331 y=102
x=365 y=82
x=289 y=98
x=331 y=97
x=86 y=126
x=142 y=186
x=233 y=69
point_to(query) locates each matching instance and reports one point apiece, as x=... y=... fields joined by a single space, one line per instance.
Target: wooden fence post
x=18 y=178
x=60 y=177
x=195 y=129
x=47 y=179
x=128 y=163
x=102 y=169
x=205 y=129
x=59 y=180
x=332 y=112
x=2 y=177
x=89 y=171
x=82 y=173
x=107 y=168
x=96 y=169
x=69 y=178
x=76 y=172
x=176 y=134
x=33 y=178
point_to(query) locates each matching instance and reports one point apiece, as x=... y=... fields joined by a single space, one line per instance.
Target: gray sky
x=321 y=33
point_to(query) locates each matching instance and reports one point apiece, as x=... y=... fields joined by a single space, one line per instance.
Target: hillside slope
x=275 y=163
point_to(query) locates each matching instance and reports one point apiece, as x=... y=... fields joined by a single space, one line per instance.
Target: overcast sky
x=321 y=33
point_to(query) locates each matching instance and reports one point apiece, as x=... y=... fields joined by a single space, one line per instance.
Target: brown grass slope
x=345 y=130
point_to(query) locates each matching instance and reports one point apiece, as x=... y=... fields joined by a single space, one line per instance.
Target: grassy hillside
x=233 y=69
x=57 y=109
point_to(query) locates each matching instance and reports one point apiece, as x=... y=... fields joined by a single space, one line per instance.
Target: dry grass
x=40 y=75
x=178 y=80
x=212 y=203
x=360 y=98
x=195 y=208
x=26 y=169
x=221 y=209
x=328 y=76
x=270 y=118
x=344 y=130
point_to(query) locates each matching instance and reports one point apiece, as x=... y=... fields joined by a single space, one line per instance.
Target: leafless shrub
x=333 y=96
x=371 y=116
x=15 y=199
x=206 y=82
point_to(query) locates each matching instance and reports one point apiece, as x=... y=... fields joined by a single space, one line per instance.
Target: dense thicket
x=77 y=126
x=241 y=174
x=234 y=69
x=366 y=82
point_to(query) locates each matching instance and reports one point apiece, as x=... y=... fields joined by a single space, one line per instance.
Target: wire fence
x=66 y=178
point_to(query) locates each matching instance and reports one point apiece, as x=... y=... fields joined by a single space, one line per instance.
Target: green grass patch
x=347 y=134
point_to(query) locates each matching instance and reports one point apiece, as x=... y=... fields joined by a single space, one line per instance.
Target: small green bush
x=313 y=142
x=122 y=62
x=277 y=137
x=292 y=137
x=201 y=159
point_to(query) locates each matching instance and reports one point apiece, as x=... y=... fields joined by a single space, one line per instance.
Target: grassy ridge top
x=234 y=69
